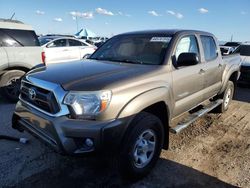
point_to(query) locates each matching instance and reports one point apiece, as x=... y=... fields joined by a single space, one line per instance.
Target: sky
x=224 y=18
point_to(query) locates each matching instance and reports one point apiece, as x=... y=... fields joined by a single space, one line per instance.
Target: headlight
x=87 y=105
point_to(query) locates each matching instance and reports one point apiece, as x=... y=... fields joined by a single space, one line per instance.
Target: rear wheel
x=142 y=146
x=227 y=97
x=10 y=83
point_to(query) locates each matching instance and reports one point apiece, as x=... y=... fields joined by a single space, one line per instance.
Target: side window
x=58 y=43
x=185 y=45
x=74 y=42
x=209 y=47
x=7 y=41
x=23 y=37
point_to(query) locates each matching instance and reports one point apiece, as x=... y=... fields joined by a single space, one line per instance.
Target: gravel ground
x=213 y=152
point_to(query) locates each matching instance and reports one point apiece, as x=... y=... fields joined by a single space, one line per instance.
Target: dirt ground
x=213 y=152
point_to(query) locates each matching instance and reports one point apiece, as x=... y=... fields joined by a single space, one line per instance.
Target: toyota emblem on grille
x=32 y=94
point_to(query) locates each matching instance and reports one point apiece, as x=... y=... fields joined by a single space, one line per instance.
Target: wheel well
x=160 y=110
x=234 y=77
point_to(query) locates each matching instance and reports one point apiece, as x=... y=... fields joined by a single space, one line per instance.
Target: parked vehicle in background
x=226 y=50
x=59 y=49
x=244 y=51
x=229 y=47
x=19 y=52
x=126 y=98
x=232 y=44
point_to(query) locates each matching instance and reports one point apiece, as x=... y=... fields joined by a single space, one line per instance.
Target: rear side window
x=75 y=43
x=209 y=47
x=14 y=38
x=7 y=41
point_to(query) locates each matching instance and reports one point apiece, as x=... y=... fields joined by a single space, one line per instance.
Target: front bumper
x=68 y=136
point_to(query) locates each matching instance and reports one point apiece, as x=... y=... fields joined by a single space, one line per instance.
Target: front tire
x=141 y=147
x=10 y=83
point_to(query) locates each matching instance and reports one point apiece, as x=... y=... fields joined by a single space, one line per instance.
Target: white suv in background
x=59 y=49
x=20 y=52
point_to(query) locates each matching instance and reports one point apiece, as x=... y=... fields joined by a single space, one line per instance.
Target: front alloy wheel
x=144 y=148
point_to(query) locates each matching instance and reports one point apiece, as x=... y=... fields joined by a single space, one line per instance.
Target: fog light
x=89 y=142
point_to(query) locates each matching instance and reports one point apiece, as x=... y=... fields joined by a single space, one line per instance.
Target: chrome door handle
x=65 y=50
x=202 y=71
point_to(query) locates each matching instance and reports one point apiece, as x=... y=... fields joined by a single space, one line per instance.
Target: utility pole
x=232 y=38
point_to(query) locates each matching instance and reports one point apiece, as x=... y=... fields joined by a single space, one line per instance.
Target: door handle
x=202 y=71
x=65 y=50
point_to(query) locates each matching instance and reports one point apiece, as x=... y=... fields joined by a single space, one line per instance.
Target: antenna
x=12 y=16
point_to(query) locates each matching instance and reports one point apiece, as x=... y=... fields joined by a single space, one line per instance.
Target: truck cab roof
x=169 y=32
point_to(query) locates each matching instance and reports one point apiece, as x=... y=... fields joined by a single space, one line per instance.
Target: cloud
x=176 y=14
x=39 y=12
x=203 y=10
x=123 y=14
x=171 y=12
x=104 y=12
x=243 y=12
x=58 y=19
x=128 y=15
x=87 y=15
x=153 y=13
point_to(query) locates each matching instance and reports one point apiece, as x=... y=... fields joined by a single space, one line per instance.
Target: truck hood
x=90 y=75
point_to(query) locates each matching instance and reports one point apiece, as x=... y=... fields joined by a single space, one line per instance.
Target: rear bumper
x=68 y=136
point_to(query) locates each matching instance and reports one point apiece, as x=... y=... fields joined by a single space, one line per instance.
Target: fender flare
x=150 y=97
x=227 y=76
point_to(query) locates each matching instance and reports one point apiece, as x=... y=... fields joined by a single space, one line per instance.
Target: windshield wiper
x=119 y=60
x=130 y=61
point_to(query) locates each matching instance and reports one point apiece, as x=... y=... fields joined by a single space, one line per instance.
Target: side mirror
x=187 y=59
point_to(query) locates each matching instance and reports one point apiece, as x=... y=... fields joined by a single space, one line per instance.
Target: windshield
x=44 y=40
x=136 y=49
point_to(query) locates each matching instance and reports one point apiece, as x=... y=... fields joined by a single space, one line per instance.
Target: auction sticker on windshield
x=160 y=39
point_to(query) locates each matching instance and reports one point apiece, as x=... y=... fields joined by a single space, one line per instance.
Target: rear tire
x=141 y=147
x=10 y=83
x=227 y=96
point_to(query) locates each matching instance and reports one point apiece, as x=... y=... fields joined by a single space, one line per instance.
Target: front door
x=188 y=81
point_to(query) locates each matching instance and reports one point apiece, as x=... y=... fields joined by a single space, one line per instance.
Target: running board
x=193 y=117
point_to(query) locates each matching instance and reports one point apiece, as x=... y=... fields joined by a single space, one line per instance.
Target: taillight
x=43 y=57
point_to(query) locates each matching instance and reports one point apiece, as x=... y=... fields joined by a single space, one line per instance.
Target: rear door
x=57 y=51
x=188 y=81
x=74 y=49
x=213 y=66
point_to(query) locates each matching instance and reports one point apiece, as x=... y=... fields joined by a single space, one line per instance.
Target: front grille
x=39 y=97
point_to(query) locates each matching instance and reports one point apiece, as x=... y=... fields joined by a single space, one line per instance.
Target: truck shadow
x=94 y=172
